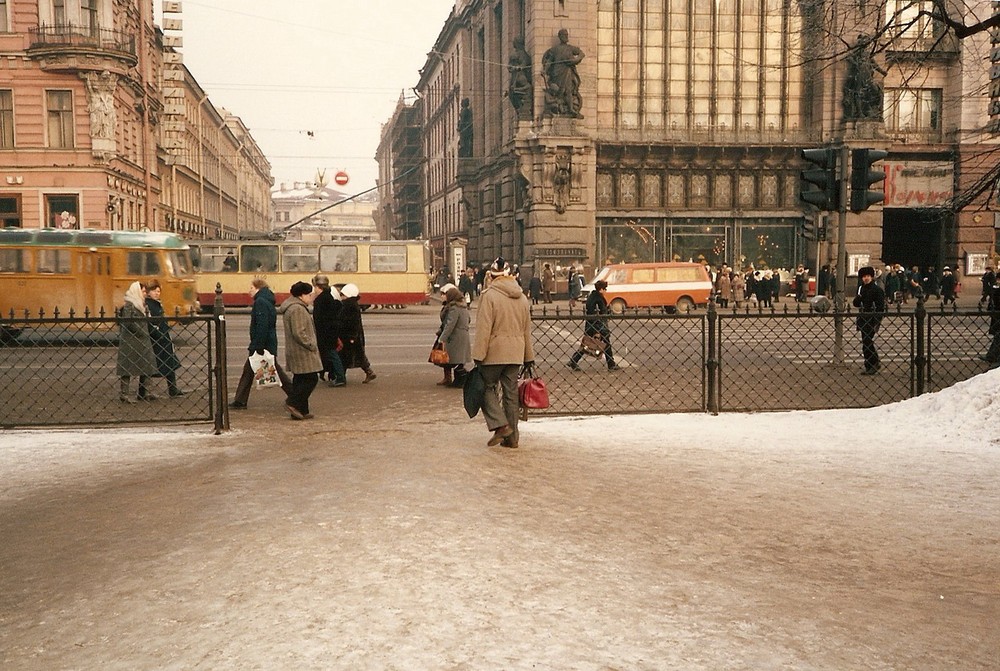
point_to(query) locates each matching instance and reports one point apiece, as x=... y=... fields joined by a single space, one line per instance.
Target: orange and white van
x=677 y=286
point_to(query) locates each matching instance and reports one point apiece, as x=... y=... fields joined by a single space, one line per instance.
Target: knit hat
x=867 y=270
x=350 y=291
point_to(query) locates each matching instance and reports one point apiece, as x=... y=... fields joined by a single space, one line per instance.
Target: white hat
x=445 y=287
x=350 y=291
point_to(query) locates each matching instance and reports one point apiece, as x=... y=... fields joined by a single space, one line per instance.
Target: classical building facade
x=401 y=173
x=671 y=129
x=83 y=133
x=312 y=211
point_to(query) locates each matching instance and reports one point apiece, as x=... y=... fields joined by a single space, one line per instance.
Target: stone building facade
x=401 y=173
x=83 y=137
x=690 y=118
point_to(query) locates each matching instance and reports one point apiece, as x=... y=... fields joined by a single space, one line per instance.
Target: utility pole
x=839 y=300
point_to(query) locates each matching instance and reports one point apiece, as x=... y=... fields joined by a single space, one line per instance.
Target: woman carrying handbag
x=454 y=335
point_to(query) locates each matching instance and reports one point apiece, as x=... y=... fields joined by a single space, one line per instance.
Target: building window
x=6 y=119
x=912 y=22
x=913 y=110
x=4 y=20
x=60 y=113
x=62 y=211
x=59 y=12
x=10 y=211
x=88 y=15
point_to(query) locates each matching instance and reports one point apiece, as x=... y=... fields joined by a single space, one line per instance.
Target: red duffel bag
x=532 y=392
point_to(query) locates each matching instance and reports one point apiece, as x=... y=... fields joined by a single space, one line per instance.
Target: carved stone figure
x=562 y=83
x=560 y=183
x=101 y=103
x=520 y=91
x=465 y=130
x=862 y=91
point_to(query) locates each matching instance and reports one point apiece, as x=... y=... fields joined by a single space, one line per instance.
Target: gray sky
x=332 y=67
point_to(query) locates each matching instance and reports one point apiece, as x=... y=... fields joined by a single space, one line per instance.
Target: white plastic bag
x=265 y=373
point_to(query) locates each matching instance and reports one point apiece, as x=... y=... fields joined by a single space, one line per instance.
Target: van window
x=642 y=275
x=617 y=276
x=685 y=274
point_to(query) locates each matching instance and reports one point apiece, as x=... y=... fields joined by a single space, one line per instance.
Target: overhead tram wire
x=279 y=233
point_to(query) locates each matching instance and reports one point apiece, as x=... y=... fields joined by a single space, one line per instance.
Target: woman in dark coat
x=135 y=349
x=263 y=336
x=352 y=333
x=167 y=362
x=326 y=318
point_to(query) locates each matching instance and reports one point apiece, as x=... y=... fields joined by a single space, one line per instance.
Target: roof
x=90 y=238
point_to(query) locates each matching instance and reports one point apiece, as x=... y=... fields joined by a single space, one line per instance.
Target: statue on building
x=562 y=82
x=465 y=130
x=101 y=103
x=521 y=93
x=560 y=183
x=862 y=89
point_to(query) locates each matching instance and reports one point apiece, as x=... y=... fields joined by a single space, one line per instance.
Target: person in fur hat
x=871 y=301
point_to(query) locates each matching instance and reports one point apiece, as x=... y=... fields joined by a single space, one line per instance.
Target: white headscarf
x=134 y=296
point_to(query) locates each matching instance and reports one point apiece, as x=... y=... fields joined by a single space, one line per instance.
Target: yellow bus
x=388 y=272
x=45 y=269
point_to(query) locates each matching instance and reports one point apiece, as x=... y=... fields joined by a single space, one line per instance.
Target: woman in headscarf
x=135 y=348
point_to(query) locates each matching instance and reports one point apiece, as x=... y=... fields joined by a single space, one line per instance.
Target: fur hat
x=867 y=270
x=499 y=267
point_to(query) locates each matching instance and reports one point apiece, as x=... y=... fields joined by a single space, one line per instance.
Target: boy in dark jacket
x=871 y=301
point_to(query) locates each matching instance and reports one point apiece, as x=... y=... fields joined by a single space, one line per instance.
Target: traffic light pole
x=839 y=301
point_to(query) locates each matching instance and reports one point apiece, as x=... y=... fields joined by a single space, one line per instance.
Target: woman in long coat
x=301 y=350
x=167 y=362
x=352 y=333
x=135 y=348
x=454 y=334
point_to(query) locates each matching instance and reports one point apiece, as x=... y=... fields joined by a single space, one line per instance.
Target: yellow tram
x=388 y=272
x=47 y=269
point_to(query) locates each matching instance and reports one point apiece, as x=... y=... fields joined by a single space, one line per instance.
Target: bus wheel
x=618 y=306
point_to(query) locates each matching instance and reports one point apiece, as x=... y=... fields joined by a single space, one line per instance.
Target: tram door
x=95 y=288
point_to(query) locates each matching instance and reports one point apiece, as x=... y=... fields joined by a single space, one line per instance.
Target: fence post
x=221 y=364
x=712 y=363
x=921 y=356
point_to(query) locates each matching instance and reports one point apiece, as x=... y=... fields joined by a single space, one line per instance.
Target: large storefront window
x=767 y=246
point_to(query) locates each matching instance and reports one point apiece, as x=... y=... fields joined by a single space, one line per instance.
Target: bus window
x=338 y=258
x=617 y=276
x=13 y=260
x=259 y=258
x=180 y=264
x=299 y=259
x=387 y=258
x=53 y=261
x=142 y=263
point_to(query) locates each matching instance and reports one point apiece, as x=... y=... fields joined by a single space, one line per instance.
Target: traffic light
x=824 y=176
x=821 y=229
x=809 y=231
x=862 y=177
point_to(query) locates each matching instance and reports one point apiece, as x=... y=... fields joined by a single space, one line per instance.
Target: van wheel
x=618 y=306
x=684 y=305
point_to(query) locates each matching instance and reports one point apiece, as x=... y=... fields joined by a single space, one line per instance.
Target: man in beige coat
x=302 y=357
x=502 y=346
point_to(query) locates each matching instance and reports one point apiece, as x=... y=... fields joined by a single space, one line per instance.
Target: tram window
x=13 y=260
x=338 y=258
x=259 y=258
x=180 y=263
x=53 y=261
x=50 y=236
x=212 y=258
x=388 y=258
x=93 y=237
x=299 y=258
x=143 y=263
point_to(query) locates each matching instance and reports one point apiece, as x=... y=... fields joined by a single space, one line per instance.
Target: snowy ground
x=861 y=539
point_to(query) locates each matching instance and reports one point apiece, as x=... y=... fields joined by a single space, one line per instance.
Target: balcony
x=62 y=48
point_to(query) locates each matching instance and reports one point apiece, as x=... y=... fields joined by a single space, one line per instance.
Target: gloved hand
x=529 y=368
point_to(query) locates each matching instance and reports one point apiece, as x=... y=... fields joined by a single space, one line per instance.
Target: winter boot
x=369 y=376
x=123 y=395
x=447 y=378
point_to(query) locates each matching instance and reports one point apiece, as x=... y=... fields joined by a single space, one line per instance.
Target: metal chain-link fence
x=753 y=360
x=65 y=371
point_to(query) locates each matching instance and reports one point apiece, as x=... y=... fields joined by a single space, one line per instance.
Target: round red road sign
x=341 y=178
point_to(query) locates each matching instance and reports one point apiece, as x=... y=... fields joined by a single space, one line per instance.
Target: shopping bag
x=265 y=372
x=439 y=355
x=473 y=390
x=532 y=392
